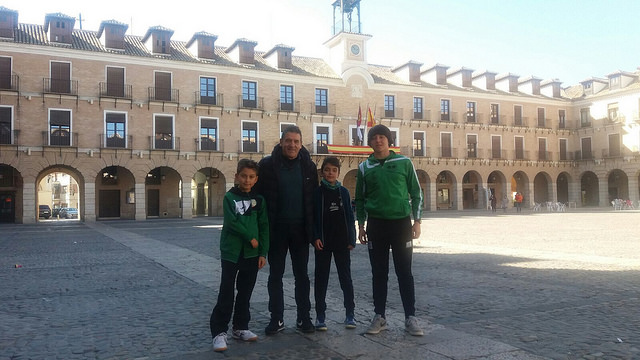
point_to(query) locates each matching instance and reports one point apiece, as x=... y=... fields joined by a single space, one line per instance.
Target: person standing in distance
x=288 y=179
x=384 y=184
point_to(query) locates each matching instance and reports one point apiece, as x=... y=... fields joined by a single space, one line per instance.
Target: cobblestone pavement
x=503 y=286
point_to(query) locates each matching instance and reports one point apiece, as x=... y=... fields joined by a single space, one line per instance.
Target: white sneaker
x=413 y=327
x=377 y=324
x=244 y=335
x=220 y=342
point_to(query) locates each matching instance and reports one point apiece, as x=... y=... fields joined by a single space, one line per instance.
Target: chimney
x=551 y=88
x=485 y=80
x=59 y=26
x=409 y=71
x=507 y=82
x=460 y=77
x=242 y=51
x=158 y=40
x=529 y=85
x=280 y=57
x=435 y=75
x=8 y=22
x=111 y=34
x=202 y=45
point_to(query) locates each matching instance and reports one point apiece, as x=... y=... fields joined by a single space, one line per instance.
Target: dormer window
x=614 y=82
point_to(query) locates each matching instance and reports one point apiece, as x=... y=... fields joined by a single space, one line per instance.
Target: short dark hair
x=330 y=160
x=291 y=129
x=247 y=164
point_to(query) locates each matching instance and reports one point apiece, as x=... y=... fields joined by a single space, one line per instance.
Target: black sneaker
x=305 y=325
x=274 y=327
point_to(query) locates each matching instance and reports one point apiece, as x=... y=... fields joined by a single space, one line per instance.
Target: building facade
x=149 y=126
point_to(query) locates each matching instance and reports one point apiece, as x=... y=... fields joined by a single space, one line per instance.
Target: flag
x=370 y=121
x=359 y=123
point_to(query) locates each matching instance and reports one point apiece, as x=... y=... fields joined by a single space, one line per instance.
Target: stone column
x=141 y=201
x=187 y=211
x=603 y=192
x=89 y=202
x=633 y=189
x=433 y=192
x=29 y=206
x=458 y=196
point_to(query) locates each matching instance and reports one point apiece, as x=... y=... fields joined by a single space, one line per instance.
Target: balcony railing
x=60 y=138
x=289 y=106
x=330 y=109
x=207 y=144
x=116 y=142
x=111 y=90
x=395 y=113
x=250 y=146
x=255 y=103
x=544 y=156
x=580 y=155
x=216 y=100
x=164 y=94
x=9 y=82
x=164 y=143
x=448 y=152
x=59 y=86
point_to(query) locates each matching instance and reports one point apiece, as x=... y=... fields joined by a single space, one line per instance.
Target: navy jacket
x=349 y=221
x=268 y=186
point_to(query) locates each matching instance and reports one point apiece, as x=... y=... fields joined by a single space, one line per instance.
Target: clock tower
x=347 y=46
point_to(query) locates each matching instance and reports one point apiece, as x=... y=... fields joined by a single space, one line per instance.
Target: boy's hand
x=262 y=261
x=350 y=247
x=362 y=235
x=318 y=244
x=415 y=229
x=254 y=243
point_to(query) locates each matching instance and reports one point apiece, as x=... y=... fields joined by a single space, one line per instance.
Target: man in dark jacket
x=287 y=181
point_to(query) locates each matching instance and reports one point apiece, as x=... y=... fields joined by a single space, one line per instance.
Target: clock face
x=355 y=49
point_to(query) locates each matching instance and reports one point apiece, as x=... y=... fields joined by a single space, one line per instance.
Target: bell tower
x=347 y=46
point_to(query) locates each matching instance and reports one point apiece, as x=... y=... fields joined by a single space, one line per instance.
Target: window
x=472 y=146
x=496 y=147
x=283 y=127
x=541 y=117
x=418 y=108
x=585 y=145
x=249 y=136
x=445 y=145
x=249 y=94
x=163 y=132
x=612 y=111
x=585 y=117
x=208 y=134
x=471 y=111
x=5 y=72
x=60 y=127
x=322 y=140
x=389 y=106
x=5 y=124
x=163 y=86
x=115 y=129
x=286 y=97
x=517 y=115
x=418 y=144
x=542 y=149
x=562 y=119
x=614 y=82
x=495 y=114
x=322 y=106
x=519 y=143
x=444 y=110
x=563 y=149
x=614 y=145
x=208 y=90
x=60 y=77
x=115 y=81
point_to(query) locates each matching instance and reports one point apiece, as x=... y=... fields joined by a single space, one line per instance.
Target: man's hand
x=262 y=261
x=318 y=244
x=254 y=243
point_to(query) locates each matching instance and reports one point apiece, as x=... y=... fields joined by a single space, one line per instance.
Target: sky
x=568 y=40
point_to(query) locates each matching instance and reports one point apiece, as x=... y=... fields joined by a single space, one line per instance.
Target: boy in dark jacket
x=244 y=244
x=334 y=233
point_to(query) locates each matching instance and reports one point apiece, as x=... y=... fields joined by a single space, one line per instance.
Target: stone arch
x=61 y=186
x=446 y=193
x=163 y=190
x=589 y=189
x=617 y=185
x=471 y=190
x=542 y=188
x=115 y=193
x=208 y=186
x=562 y=187
x=11 y=195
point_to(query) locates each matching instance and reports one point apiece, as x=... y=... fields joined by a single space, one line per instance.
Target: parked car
x=44 y=211
x=69 y=213
x=55 y=212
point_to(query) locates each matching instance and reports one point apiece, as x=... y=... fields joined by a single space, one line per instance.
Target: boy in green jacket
x=244 y=244
x=384 y=184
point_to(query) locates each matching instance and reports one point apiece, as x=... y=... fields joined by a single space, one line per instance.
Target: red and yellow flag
x=370 y=121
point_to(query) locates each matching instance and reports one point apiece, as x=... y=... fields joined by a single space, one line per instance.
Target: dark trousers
x=397 y=235
x=243 y=276
x=342 y=259
x=288 y=238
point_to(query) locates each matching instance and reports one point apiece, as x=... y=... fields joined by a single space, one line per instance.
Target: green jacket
x=245 y=218
x=383 y=191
